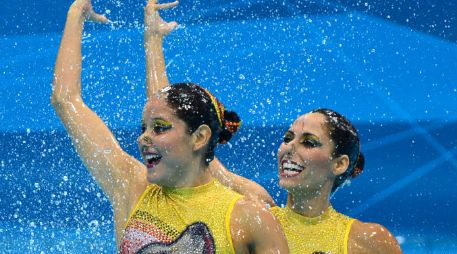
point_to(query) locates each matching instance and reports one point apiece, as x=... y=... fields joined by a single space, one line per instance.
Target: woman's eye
x=288 y=137
x=143 y=128
x=311 y=143
x=160 y=128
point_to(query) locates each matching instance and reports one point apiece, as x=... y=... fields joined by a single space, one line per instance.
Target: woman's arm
x=156 y=78
x=255 y=230
x=113 y=169
x=155 y=29
x=244 y=186
x=371 y=238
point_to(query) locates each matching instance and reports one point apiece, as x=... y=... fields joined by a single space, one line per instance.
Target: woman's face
x=165 y=144
x=305 y=156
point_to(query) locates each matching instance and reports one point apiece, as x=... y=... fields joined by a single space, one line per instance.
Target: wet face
x=165 y=144
x=305 y=157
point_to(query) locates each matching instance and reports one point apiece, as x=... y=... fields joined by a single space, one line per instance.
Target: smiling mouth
x=152 y=159
x=290 y=168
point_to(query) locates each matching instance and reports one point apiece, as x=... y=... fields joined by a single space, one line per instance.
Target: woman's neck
x=196 y=175
x=309 y=203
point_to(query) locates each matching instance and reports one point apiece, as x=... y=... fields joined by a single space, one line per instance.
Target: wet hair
x=346 y=139
x=196 y=106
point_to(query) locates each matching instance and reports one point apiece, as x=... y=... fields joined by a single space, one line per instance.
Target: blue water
x=397 y=84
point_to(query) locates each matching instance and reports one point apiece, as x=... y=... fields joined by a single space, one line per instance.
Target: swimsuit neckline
x=189 y=190
x=309 y=220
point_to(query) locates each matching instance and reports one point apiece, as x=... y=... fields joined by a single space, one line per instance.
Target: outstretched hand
x=88 y=13
x=153 y=23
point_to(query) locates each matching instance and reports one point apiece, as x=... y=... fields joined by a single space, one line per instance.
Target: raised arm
x=156 y=78
x=155 y=29
x=244 y=186
x=113 y=169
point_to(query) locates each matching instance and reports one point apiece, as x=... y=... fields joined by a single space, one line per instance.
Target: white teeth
x=152 y=156
x=295 y=167
x=290 y=168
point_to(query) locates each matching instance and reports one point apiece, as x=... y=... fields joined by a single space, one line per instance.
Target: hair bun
x=231 y=124
x=358 y=168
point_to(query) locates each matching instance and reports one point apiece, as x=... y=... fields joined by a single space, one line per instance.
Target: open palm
x=154 y=24
x=88 y=12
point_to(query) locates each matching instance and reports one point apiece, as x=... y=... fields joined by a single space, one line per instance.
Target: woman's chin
x=287 y=182
x=151 y=179
x=154 y=178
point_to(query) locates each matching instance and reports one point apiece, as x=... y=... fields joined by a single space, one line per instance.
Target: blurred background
x=389 y=66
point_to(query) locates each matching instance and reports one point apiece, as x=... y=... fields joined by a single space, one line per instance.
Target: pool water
x=397 y=85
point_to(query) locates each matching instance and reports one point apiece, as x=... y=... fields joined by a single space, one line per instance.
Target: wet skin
x=165 y=145
x=305 y=156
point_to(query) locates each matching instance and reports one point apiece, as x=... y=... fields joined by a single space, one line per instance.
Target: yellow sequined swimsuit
x=327 y=233
x=184 y=220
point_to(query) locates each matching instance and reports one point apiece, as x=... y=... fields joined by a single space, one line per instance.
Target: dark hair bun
x=231 y=123
x=359 y=164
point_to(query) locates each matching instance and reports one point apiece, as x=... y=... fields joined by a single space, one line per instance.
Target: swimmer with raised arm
x=169 y=202
x=156 y=78
x=318 y=228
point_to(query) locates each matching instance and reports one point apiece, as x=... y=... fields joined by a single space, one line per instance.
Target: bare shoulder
x=255 y=230
x=250 y=215
x=251 y=206
x=247 y=209
x=371 y=238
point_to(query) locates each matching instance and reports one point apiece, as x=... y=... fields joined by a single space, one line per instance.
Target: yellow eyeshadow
x=310 y=137
x=289 y=134
x=161 y=122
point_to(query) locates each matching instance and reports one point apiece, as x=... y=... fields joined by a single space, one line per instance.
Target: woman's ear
x=341 y=164
x=201 y=137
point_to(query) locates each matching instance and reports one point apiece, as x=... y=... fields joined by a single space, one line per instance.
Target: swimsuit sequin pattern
x=181 y=220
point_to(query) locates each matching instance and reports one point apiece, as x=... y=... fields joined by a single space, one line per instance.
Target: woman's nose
x=144 y=139
x=288 y=148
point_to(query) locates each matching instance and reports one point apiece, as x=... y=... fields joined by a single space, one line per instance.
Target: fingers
x=170 y=27
x=154 y=25
x=102 y=19
x=167 y=5
x=154 y=5
x=95 y=17
x=172 y=24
